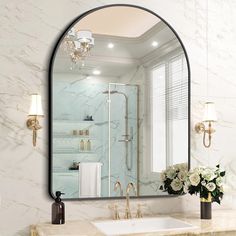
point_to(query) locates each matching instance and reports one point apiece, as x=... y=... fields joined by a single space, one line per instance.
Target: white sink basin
x=145 y=225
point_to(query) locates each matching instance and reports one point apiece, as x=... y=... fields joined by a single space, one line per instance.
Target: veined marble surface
x=222 y=223
x=28 y=32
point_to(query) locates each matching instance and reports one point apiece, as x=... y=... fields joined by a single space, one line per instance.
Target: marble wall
x=28 y=32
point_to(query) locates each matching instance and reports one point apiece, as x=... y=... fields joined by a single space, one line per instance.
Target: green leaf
x=222 y=174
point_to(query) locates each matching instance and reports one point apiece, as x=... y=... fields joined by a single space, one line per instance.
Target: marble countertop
x=223 y=223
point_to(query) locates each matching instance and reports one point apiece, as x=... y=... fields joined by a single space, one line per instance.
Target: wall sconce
x=208 y=118
x=35 y=112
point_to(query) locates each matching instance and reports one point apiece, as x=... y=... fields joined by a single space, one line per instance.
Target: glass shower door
x=123 y=134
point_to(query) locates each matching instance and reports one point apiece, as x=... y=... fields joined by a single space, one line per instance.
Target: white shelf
x=73 y=136
x=66 y=172
x=74 y=152
x=74 y=121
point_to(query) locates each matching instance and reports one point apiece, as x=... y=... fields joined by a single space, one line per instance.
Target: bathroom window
x=169 y=113
x=158 y=118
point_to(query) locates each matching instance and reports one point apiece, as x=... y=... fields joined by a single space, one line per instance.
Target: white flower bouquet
x=174 y=179
x=205 y=180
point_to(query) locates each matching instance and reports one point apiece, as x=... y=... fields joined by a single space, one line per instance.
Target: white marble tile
x=28 y=32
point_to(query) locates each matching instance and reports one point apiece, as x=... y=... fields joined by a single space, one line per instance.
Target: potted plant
x=208 y=183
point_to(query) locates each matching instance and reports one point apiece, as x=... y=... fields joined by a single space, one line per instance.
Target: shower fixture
x=127 y=138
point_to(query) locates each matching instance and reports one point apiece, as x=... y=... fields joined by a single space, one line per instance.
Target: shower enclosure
x=113 y=133
x=122 y=102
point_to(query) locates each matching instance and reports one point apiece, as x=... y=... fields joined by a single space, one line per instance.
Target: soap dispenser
x=58 y=210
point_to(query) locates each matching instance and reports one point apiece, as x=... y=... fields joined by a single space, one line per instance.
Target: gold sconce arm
x=35 y=111
x=33 y=124
x=201 y=128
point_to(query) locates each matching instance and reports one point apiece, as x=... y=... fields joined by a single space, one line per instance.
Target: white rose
x=219 y=181
x=176 y=184
x=203 y=183
x=181 y=167
x=208 y=174
x=182 y=175
x=194 y=179
x=211 y=186
x=171 y=173
x=197 y=170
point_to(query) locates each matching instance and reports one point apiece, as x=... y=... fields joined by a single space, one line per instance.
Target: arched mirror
x=119 y=104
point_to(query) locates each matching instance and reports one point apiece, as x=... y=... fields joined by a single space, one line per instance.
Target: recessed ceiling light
x=154 y=43
x=96 y=72
x=110 y=45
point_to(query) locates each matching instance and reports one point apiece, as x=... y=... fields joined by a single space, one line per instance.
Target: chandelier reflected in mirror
x=78 y=44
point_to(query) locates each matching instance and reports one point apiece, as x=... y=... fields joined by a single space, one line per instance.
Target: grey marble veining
x=28 y=32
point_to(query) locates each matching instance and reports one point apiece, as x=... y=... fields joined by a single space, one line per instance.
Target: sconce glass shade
x=36 y=106
x=209 y=112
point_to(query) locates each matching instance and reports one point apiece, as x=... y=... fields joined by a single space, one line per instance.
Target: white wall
x=28 y=32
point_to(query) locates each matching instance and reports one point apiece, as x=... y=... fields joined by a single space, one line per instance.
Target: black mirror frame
x=52 y=57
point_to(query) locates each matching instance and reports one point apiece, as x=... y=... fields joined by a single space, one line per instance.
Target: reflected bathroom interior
x=120 y=114
x=107 y=142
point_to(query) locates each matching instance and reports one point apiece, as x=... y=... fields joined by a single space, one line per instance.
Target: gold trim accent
x=209 y=199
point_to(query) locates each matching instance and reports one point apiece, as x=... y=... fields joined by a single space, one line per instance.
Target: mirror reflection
x=119 y=104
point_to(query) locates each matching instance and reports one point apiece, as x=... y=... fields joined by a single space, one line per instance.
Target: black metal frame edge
x=52 y=57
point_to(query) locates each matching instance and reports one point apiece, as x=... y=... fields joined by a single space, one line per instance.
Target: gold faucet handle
x=139 y=213
x=127 y=213
x=115 y=211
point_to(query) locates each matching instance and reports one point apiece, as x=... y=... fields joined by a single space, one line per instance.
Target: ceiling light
x=96 y=72
x=154 y=43
x=110 y=45
x=78 y=44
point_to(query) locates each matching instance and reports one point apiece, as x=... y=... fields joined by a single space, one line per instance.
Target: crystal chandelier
x=78 y=44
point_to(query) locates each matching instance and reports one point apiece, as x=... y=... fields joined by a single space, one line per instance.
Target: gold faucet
x=118 y=185
x=127 y=209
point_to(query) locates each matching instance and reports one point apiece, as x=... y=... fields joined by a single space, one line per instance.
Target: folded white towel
x=90 y=179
